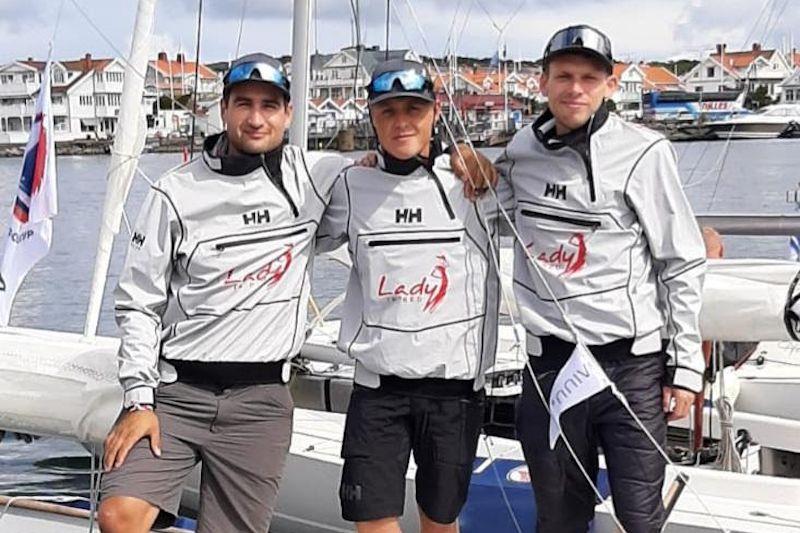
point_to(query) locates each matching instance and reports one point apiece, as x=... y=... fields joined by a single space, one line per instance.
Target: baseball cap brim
x=411 y=94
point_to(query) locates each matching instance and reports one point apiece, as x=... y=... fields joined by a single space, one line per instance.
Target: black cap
x=270 y=71
x=396 y=90
x=581 y=40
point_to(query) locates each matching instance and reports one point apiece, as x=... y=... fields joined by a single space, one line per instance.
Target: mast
x=298 y=131
x=128 y=144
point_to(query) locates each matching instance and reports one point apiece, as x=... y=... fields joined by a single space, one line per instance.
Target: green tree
x=758 y=98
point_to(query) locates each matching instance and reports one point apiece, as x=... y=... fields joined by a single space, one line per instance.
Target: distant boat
x=684 y=106
x=769 y=122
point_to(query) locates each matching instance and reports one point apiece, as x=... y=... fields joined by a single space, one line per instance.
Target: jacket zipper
x=594 y=224
x=587 y=159
x=233 y=244
x=405 y=242
x=443 y=195
x=589 y=173
x=279 y=185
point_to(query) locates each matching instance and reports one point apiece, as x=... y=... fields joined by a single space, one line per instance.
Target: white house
x=634 y=80
x=335 y=75
x=86 y=96
x=790 y=88
x=728 y=70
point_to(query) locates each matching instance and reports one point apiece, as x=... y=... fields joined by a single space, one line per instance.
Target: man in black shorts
x=420 y=315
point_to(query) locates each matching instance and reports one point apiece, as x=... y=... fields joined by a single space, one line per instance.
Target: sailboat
x=65 y=384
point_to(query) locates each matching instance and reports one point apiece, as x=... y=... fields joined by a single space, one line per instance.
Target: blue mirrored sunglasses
x=262 y=71
x=410 y=80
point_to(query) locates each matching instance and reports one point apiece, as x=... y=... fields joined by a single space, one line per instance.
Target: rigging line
x=196 y=75
x=464 y=25
x=775 y=22
x=567 y=321
x=447 y=51
x=124 y=60
x=768 y=21
x=509 y=507
x=241 y=28
x=568 y=445
x=58 y=22
x=388 y=24
x=755 y=24
x=696 y=165
x=356 y=17
x=726 y=151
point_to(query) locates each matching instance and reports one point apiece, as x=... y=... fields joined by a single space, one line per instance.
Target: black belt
x=226 y=375
x=556 y=352
x=435 y=387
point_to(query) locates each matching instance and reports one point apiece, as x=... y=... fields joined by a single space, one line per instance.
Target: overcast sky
x=639 y=29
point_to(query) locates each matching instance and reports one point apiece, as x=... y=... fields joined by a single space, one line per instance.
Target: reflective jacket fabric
x=218 y=265
x=422 y=299
x=603 y=213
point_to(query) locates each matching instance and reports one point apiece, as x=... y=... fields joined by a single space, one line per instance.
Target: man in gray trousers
x=212 y=305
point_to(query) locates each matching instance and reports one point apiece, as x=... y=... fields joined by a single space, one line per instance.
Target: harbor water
x=740 y=177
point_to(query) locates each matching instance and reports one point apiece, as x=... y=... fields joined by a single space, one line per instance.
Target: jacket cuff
x=143 y=395
x=685 y=378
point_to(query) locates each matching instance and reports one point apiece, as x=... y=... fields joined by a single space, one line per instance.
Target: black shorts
x=439 y=420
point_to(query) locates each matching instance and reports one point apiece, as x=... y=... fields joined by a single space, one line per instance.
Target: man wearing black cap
x=211 y=305
x=600 y=208
x=420 y=315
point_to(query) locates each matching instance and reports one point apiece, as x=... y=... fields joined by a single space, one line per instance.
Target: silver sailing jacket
x=218 y=266
x=422 y=299
x=608 y=224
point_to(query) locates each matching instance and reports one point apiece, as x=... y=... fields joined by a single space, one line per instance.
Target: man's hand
x=684 y=400
x=474 y=169
x=130 y=429
x=370 y=160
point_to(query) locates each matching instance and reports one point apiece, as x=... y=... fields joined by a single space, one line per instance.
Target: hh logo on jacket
x=430 y=290
x=568 y=258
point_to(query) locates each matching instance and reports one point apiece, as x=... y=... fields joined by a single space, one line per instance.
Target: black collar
x=545 y=130
x=216 y=155
x=404 y=167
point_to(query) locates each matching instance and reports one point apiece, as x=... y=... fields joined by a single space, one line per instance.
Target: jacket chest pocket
x=240 y=271
x=583 y=251
x=558 y=242
x=415 y=280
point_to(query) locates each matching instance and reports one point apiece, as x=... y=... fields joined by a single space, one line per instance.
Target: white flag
x=31 y=227
x=580 y=378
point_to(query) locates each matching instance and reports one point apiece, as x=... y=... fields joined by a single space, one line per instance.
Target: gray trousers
x=241 y=435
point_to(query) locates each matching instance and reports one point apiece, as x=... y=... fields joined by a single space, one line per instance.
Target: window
x=6 y=78
x=28 y=77
x=58 y=76
x=698 y=89
x=113 y=99
x=85 y=99
x=58 y=100
x=711 y=72
x=60 y=123
x=27 y=123
x=100 y=99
